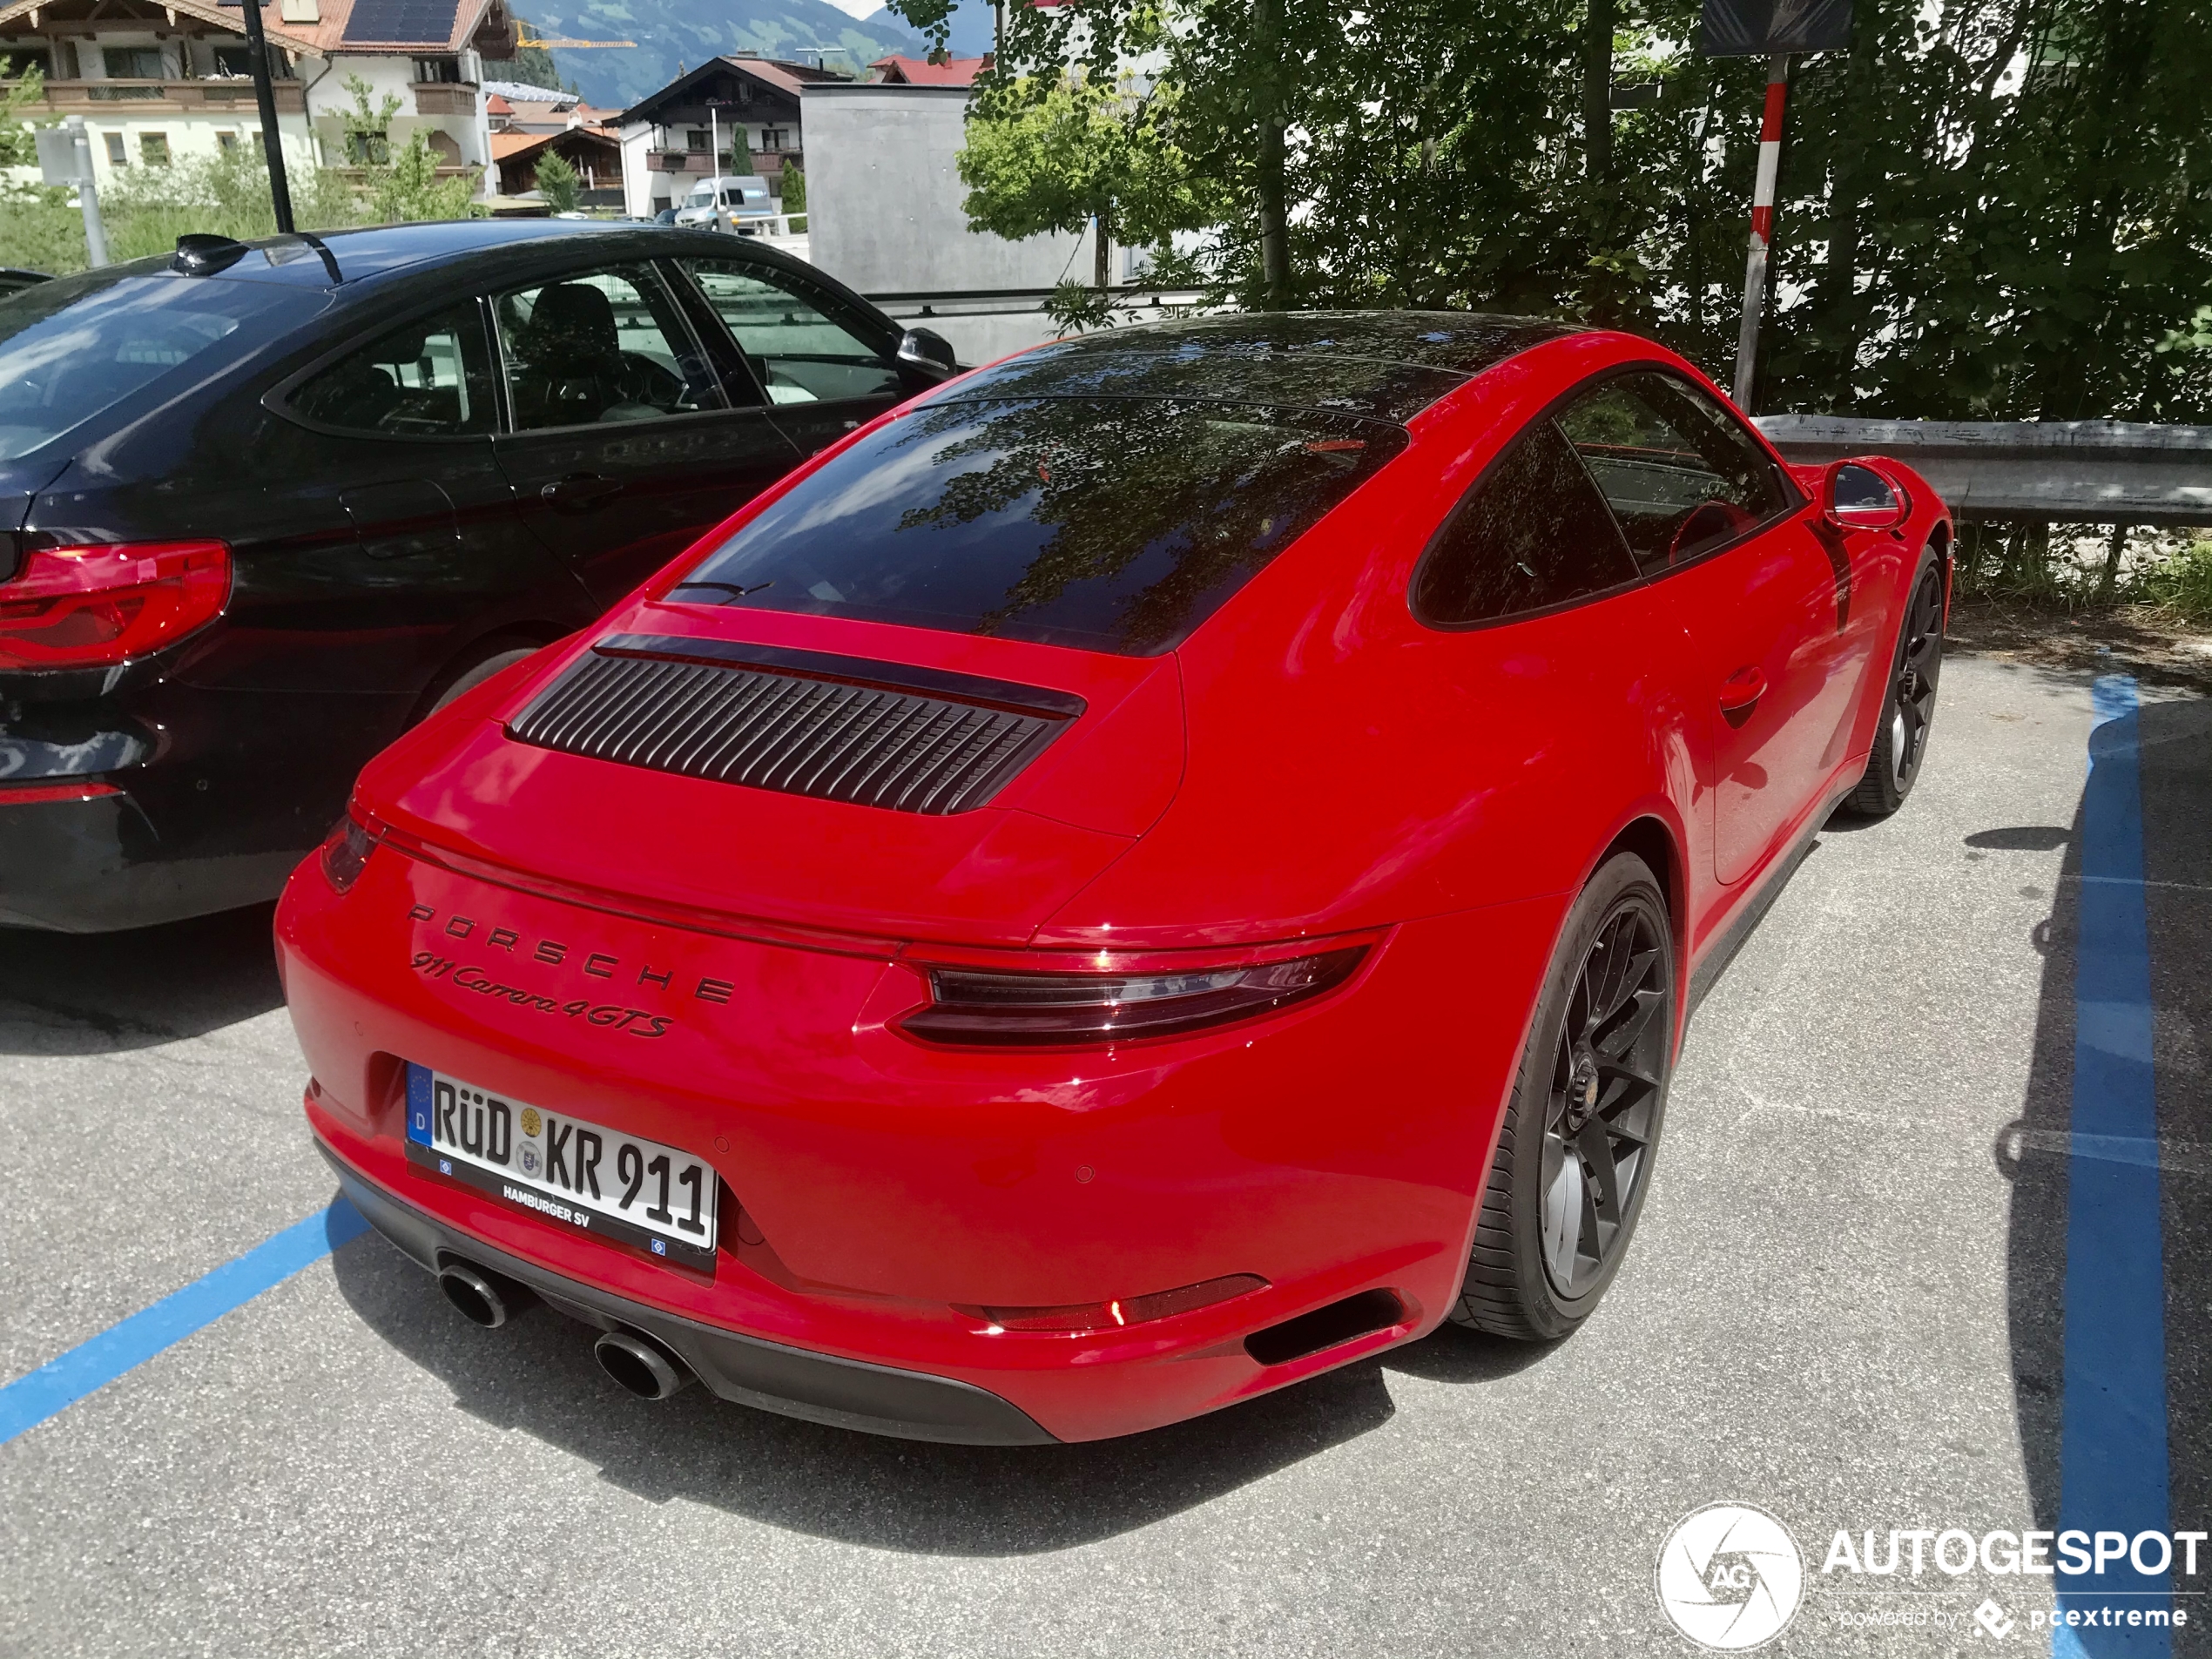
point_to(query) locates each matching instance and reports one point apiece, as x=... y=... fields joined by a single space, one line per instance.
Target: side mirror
x=928 y=353
x=1855 y=498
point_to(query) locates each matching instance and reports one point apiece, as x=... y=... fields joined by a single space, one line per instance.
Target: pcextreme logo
x=1731 y=1577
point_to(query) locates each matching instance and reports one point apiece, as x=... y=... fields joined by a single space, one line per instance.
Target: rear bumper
x=845 y=1394
x=96 y=865
x=879 y=1194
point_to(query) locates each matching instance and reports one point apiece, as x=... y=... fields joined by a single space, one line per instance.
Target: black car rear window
x=1114 y=524
x=71 y=348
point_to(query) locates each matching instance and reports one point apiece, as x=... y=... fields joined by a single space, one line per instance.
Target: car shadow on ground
x=2175 y=745
x=98 y=992
x=537 y=1375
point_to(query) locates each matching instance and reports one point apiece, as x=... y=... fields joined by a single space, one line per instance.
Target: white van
x=743 y=199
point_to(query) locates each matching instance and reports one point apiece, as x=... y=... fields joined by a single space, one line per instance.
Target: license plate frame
x=550 y=1164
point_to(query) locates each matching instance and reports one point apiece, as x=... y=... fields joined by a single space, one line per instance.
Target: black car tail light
x=345 y=853
x=1084 y=1317
x=981 y=1006
x=93 y=607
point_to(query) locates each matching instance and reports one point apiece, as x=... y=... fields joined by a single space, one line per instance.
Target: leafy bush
x=795 y=196
x=2181 y=585
x=558 y=182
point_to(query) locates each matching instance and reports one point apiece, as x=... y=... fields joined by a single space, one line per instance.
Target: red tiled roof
x=917 y=71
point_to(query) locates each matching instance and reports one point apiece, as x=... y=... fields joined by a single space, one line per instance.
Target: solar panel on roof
x=415 y=21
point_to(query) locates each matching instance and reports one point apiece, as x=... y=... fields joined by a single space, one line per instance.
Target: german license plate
x=569 y=1171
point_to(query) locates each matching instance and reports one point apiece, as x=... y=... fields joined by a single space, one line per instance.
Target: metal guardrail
x=2095 y=472
x=955 y=302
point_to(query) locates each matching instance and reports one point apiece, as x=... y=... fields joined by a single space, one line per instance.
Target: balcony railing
x=767 y=163
x=228 y=95
x=443 y=97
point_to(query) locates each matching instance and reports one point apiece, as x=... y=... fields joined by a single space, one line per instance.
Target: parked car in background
x=262 y=507
x=744 y=199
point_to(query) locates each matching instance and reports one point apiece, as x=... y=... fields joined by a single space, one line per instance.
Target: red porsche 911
x=1167 y=865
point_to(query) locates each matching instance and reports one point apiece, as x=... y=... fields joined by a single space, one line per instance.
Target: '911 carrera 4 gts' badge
x=466 y=976
x=553 y=953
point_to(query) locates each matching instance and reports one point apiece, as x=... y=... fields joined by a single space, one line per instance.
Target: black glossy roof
x=1383 y=365
x=362 y=254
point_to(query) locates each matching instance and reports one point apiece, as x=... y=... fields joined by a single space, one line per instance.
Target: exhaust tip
x=484 y=1298
x=1326 y=1327
x=641 y=1365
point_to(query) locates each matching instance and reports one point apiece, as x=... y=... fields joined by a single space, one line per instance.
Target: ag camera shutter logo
x=1731 y=1577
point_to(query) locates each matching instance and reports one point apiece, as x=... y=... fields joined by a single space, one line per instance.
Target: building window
x=153 y=149
x=17 y=61
x=775 y=138
x=132 y=63
x=234 y=60
x=115 y=155
x=226 y=141
x=368 y=149
x=696 y=139
x=439 y=71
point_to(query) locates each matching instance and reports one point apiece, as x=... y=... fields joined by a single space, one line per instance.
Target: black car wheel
x=1901 y=740
x=1574 y=1157
x=472 y=672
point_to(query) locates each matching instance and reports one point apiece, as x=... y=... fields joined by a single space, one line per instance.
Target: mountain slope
x=675 y=35
x=973 y=27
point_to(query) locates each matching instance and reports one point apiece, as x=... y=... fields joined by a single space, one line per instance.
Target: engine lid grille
x=804 y=723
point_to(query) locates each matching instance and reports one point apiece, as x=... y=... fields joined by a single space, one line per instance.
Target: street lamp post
x=257 y=57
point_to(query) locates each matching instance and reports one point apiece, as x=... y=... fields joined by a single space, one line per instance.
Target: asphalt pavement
x=1846 y=1306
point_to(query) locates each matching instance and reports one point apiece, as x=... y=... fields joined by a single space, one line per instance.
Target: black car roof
x=1379 y=365
x=340 y=260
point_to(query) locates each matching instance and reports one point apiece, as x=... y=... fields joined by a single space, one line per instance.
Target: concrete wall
x=883 y=196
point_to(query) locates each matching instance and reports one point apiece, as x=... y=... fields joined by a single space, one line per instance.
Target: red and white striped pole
x=1747 y=341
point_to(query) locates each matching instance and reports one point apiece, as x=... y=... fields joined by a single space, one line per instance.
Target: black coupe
x=263 y=506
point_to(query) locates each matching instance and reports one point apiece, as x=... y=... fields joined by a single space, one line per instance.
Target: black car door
x=827 y=367
x=401 y=535
x=625 y=444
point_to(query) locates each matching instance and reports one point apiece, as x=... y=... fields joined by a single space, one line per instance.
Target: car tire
x=471 y=673
x=1553 y=1230
x=1908 y=706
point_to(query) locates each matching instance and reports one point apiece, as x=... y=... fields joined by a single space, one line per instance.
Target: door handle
x=1740 y=694
x=578 y=491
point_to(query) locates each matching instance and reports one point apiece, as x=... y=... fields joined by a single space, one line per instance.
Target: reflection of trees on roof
x=1217 y=490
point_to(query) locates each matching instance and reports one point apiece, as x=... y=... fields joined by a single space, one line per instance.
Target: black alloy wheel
x=1574 y=1155
x=1901 y=740
x=1603 y=1108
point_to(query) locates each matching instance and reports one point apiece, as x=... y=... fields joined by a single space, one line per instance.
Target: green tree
x=794 y=188
x=17 y=147
x=1992 y=208
x=368 y=132
x=409 y=187
x=1080 y=153
x=558 y=182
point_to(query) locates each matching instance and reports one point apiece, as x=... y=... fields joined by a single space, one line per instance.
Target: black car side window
x=600 y=347
x=799 y=351
x=1678 y=472
x=432 y=379
x=1532 y=532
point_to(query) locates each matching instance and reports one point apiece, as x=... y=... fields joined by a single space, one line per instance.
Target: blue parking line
x=61 y=1382
x=2112 y=1448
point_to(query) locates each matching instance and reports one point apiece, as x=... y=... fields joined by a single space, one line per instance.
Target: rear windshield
x=69 y=350
x=1114 y=524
